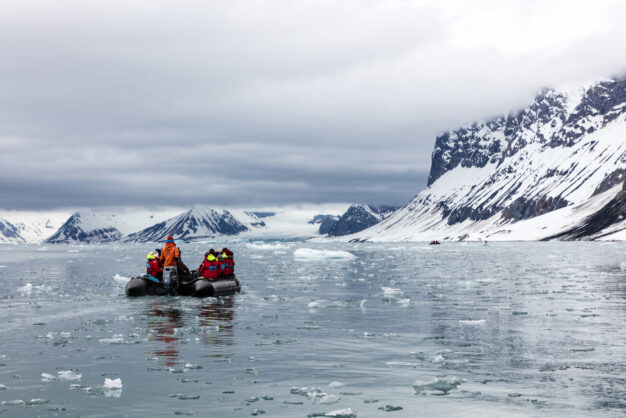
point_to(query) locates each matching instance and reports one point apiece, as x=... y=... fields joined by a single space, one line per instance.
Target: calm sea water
x=398 y=330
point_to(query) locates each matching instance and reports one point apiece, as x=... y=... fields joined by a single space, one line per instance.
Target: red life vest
x=209 y=269
x=228 y=266
x=154 y=269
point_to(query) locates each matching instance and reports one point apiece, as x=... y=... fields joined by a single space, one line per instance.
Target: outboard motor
x=170 y=279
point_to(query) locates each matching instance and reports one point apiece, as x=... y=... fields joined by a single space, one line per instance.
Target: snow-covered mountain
x=87 y=227
x=29 y=227
x=356 y=218
x=193 y=224
x=530 y=175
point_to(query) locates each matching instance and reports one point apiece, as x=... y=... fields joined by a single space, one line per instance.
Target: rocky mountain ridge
x=564 y=149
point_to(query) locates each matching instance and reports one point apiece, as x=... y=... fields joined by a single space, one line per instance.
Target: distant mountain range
x=554 y=170
x=192 y=225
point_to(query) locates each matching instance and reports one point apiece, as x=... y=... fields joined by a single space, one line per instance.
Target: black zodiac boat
x=193 y=286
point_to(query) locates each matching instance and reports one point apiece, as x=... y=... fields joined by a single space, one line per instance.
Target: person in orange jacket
x=170 y=254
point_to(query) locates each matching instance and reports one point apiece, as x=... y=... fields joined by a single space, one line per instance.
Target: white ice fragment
x=3 y=387
x=306 y=254
x=472 y=322
x=46 y=377
x=390 y=291
x=68 y=375
x=333 y=385
x=27 y=289
x=622 y=265
x=266 y=247
x=341 y=413
x=442 y=386
x=121 y=279
x=112 y=383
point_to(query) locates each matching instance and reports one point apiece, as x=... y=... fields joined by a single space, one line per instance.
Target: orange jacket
x=168 y=255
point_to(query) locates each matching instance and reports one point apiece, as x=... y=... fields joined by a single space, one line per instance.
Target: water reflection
x=217 y=315
x=163 y=321
x=166 y=323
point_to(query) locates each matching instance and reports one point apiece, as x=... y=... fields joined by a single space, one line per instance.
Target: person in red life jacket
x=209 y=269
x=227 y=263
x=154 y=270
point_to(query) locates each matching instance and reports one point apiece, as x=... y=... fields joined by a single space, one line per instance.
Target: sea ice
x=27 y=289
x=333 y=385
x=46 y=377
x=266 y=247
x=472 y=322
x=341 y=413
x=68 y=375
x=121 y=279
x=315 y=255
x=112 y=387
x=438 y=385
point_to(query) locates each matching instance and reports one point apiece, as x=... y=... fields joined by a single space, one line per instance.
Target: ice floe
x=472 y=322
x=121 y=279
x=112 y=387
x=437 y=386
x=266 y=247
x=68 y=375
x=47 y=377
x=341 y=413
x=314 y=255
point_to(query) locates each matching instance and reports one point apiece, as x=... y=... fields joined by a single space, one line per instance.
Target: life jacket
x=169 y=254
x=154 y=269
x=227 y=265
x=209 y=269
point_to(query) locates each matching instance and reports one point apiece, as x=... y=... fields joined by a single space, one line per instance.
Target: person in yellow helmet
x=209 y=269
x=154 y=270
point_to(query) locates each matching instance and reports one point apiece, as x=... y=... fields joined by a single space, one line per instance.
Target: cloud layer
x=268 y=102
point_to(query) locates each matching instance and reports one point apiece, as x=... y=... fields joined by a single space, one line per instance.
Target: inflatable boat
x=193 y=286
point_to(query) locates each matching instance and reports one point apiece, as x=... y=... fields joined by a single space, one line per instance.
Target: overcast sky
x=244 y=103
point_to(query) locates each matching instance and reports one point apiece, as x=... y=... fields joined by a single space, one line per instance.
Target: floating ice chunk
x=390 y=291
x=315 y=255
x=3 y=387
x=13 y=403
x=472 y=322
x=121 y=279
x=46 y=377
x=3 y=267
x=341 y=413
x=68 y=375
x=116 y=339
x=442 y=386
x=27 y=289
x=622 y=265
x=37 y=401
x=334 y=385
x=327 y=399
x=112 y=383
x=112 y=387
x=266 y=247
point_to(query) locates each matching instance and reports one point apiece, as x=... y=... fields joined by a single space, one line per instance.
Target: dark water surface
x=398 y=330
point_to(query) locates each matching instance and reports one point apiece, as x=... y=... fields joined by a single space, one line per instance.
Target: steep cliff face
x=567 y=147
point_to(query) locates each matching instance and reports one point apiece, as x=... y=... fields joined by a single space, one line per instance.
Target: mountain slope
x=191 y=225
x=565 y=149
x=87 y=227
x=356 y=218
x=29 y=227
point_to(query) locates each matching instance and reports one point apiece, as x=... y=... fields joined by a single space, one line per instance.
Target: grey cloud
x=244 y=102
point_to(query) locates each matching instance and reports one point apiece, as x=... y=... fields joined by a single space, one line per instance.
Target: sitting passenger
x=154 y=270
x=227 y=262
x=209 y=269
